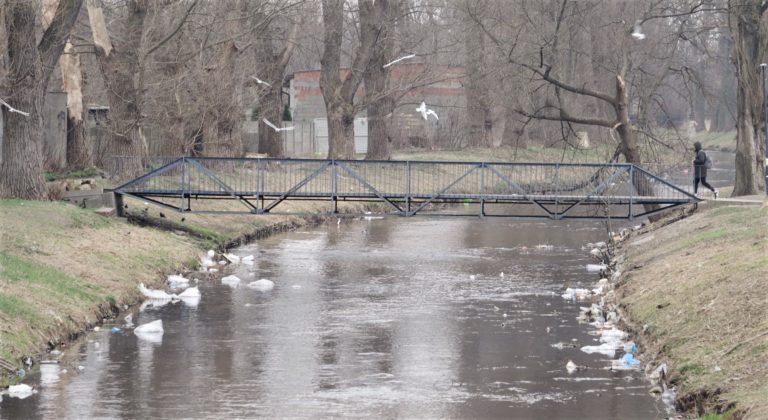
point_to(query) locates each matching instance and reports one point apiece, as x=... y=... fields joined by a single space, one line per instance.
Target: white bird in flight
x=399 y=59
x=426 y=112
x=276 y=128
x=637 y=32
x=259 y=81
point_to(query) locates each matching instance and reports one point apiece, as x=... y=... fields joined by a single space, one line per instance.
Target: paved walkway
x=746 y=200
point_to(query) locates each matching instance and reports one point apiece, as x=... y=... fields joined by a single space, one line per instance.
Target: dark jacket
x=700 y=171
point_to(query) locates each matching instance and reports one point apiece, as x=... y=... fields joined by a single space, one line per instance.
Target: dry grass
x=700 y=291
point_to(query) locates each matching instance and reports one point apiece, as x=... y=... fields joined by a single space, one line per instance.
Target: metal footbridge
x=407 y=188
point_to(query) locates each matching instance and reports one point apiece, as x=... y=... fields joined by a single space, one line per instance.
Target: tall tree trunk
x=477 y=108
x=271 y=100
x=750 y=35
x=379 y=22
x=78 y=151
x=339 y=95
x=30 y=68
x=270 y=107
x=222 y=131
x=122 y=69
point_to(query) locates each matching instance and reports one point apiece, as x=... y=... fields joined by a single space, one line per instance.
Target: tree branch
x=564 y=116
x=52 y=43
x=171 y=35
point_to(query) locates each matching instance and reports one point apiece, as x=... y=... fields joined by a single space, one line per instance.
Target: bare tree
x=271 y=66
x=379 y=21
x=750 y=33
x=122 y=56
x=339 y=90
x=30 y=65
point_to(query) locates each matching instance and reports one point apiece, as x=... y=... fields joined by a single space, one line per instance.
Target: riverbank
x=692 y=286
x=63 y=269
x=694 y=291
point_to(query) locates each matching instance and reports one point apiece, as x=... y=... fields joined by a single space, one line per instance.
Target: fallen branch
x=12 y=109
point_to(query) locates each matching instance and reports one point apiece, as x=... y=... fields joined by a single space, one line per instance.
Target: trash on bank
x=232 y=258
x=154 y=294
x=176 y=281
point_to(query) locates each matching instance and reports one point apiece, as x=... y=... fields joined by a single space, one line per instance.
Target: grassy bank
x=697 y=289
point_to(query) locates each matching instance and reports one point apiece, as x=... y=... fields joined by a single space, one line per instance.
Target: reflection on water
x=386 y=318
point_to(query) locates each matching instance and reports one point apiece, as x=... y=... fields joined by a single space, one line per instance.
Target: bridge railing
x=408 y=187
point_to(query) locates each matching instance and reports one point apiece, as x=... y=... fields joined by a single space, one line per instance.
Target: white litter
x=571 y=367
x=262 y=285
x=177 y=281
x=20 y=391
x=154 y=327
x=155 y=294
x=593 y=268
x=231 y=281
x=234 y=259
x=576 y=294
x=608 y=349
x=191 y=297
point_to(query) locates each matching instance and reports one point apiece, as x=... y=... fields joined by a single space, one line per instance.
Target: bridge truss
x=408 y=188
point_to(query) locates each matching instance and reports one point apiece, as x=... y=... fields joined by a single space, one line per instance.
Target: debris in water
x=151 y=332
x=115 y=330
x=20 y=391
x=231 y=281
x=262 y=285
x=608 y=349
x=593 y=268
x=96 y=329
x=154 y=327
x=576 y=294
x=128 y=320
x=571 y=367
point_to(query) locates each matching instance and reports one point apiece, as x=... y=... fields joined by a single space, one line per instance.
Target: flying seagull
x=426 y=112
x=399 y=59
x=637 y=32
x=259 y=81
x=276 y=128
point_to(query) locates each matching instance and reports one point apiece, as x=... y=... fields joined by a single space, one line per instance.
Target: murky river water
x=376 y=319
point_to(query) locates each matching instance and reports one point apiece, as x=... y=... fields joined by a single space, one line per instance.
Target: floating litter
x=262 y=285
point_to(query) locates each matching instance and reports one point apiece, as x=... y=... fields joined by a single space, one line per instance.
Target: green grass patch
x=38 y=276
x=79 y=173
x=16 y=308
x=692 y=369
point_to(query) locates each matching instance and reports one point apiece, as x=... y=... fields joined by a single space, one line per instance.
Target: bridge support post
x=119 y=206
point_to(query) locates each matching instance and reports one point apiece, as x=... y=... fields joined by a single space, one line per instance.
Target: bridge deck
x=408 y=188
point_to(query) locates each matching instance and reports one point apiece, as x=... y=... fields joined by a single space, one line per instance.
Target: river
x=407 y=318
